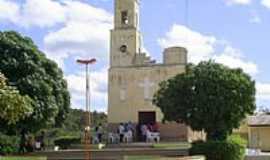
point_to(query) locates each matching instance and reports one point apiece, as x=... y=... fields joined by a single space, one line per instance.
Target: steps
x=130 y=145
x=111 y=154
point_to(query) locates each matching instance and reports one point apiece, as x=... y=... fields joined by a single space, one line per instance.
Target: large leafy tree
x=76 y=119
x=13 y=106
x=28 y=69
x=209 y=97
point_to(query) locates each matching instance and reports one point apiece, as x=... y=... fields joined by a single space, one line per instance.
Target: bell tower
x=126 y=13
x=125 y=36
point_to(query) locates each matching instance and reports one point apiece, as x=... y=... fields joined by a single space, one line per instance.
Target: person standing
x=22 y=148
x=42 y=140
x=144 y=129
x=130 y=127
x=121 y=130
x=99 y=133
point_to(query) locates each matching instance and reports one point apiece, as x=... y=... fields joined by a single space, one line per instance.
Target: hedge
x=231 y=149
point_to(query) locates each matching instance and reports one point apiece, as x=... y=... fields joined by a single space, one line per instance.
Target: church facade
x=134 y=77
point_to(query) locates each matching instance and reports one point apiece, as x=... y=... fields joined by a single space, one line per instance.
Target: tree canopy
x=34 y=75
x=209 y=97
x=76 y=119
x=13 y=106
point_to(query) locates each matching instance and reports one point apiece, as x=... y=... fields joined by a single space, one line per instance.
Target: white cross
x=147 y=86
x=123 y=93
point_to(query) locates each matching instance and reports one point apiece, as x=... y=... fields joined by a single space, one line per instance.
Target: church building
x=134 y=77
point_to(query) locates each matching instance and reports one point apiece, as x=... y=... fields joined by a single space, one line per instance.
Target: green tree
x=76 y=119
x=13 y=106
x=28 y=69
x=209 y=97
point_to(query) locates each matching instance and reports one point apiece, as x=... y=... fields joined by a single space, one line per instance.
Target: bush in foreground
x=8 y=144
x=231 y=149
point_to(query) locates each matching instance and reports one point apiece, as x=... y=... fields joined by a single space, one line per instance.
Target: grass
x=172 y=145
x=23 y=158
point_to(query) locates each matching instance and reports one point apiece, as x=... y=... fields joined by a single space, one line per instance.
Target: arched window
x=124 y=17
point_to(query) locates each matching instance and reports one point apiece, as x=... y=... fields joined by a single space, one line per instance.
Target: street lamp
x=87 y=136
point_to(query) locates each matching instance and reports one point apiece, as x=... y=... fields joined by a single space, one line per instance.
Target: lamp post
x=87 y=136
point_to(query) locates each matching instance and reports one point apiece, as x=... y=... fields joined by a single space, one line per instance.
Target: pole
x=87 y=136
x=88 y=123
x=88 y=96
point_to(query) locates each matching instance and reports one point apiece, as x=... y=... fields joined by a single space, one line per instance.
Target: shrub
x=9 y=140
x=232 y=149
x=65 y=142
x=8 y=144
x=237 y=139
x=7 y=150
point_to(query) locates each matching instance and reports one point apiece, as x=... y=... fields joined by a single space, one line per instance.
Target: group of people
x=148 y=132
x=125 y=132
x=128 y=132
x=30 y=143
x=98 y=134
x=144 y=133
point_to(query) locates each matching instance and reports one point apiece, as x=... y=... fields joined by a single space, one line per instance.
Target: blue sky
x=232 y=32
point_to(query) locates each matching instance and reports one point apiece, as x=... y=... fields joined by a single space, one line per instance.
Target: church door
x=147 y=117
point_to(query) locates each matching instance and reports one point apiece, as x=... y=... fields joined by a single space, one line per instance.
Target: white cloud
x=238 y=2
x=45 y=13
x=49 y=13
x=263 y=91
x=203 y=47
x=98 y=82
x=83 y=12
x=233 y=58
x=266 y=3
x=8 y=11
x=200 y=46
x=84 y=34
x=83 y=30
x=76 y=29
x=79 y=38
x=58 y=57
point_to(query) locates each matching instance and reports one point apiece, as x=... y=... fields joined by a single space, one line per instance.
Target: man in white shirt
x=121 y=131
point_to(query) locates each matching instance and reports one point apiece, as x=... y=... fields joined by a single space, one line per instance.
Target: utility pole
x=87 y=130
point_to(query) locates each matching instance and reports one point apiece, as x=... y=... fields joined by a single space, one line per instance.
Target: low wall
x=173 y=132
